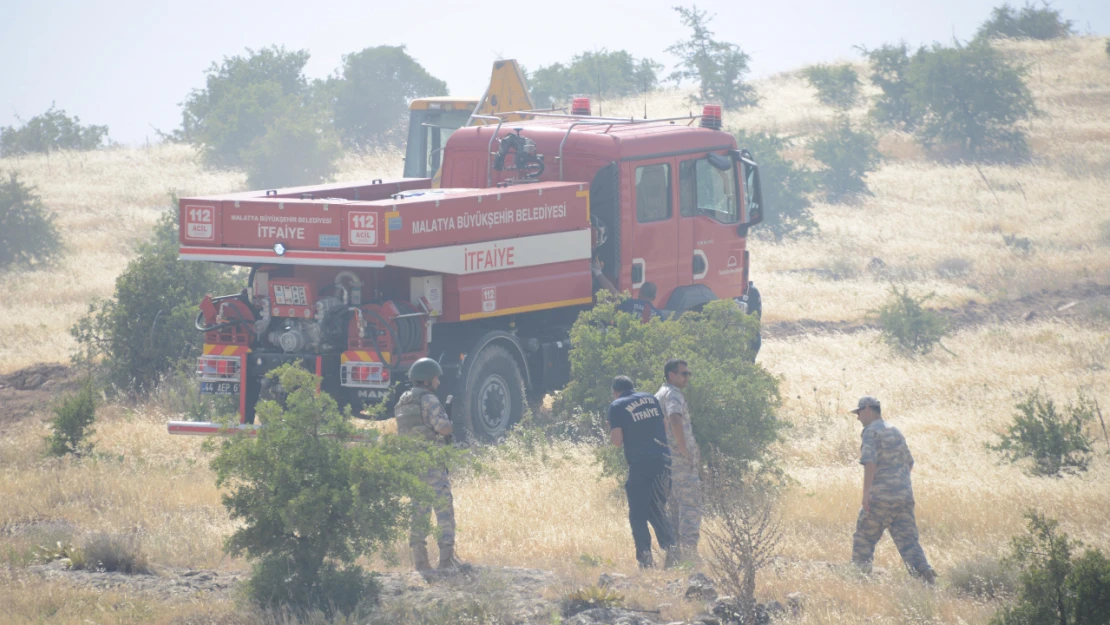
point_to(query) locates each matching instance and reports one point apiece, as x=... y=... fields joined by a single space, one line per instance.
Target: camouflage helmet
x=424 y=370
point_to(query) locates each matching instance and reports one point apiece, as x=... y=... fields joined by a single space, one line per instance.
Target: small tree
x=906 y=323
x=1055 y=588
x=373 y=90
x=147 y=326
x=310 y=504
x=49 y=132
x=718 y=66
x=786 y=186
x=298 y=148
x=1055 y=440
x=848 y=155
x=1031 y=22
x=837 y=85
x=734 y=398
x=258 y=112
x=604 y=73
x=72 y=423
x=895 y=106
x=746 y=537
x=28 y=236
x=974 y=100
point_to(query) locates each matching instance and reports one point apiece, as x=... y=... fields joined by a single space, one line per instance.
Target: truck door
x=653 y=253
x=711 y=252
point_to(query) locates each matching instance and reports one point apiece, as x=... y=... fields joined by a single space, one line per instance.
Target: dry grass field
x=936 y=226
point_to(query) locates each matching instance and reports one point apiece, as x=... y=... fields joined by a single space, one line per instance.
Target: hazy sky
x=128 y=63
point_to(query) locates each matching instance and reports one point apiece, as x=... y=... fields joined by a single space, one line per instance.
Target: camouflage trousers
x=444 y=506
x=899 y=519
x=684 y=507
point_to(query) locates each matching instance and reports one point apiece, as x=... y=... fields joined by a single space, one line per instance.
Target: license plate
x=219 y=388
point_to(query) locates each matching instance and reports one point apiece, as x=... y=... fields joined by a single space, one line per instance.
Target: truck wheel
x=493 y=399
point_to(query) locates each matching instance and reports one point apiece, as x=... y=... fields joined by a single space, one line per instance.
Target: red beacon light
x=580 y=106
x=711 y=116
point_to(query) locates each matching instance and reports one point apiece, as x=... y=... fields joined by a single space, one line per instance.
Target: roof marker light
x=711 y=116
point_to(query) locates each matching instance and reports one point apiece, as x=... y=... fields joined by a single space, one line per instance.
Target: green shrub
x=255 y=112
x=298 y=148
x=72 y=424
x=974 y=101
x=603 y=73
x=733 y=399
x=718 y=66
x=1054 y=439
x=28 y=236
x=589 y=597
x=1030 y=22
x=984 y=578
x=907 y=325
x=785 y=186
x=837 y=85
x=1055 y=587
x=847 y=155
x=50 y=132
x=895 y=106
x=372 y=93
x=308 y=503
x=139 y=335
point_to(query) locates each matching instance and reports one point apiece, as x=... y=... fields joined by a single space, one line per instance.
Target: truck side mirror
x=753 y=191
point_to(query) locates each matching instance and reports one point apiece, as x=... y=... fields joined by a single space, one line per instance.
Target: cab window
x=703 y=189
x=653 y=192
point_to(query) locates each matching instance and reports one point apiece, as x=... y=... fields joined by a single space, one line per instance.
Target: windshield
x=428 y=134
x=706 y=190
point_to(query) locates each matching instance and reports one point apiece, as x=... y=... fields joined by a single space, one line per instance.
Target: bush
x=837 y=85
x=1056 y=441
x=718 y=66
x=786 y=186
x=259 y=112
x=907 y=325
x=28 y=236
x=974 y=101
x=72 y=424
x=848 y=155
x=373 y=91
x=147 y=327
x=1029 y=23
x=605 y=73
x=1055 y=587
x=895 y=106
x=308 y=504
x=50 y=132
x=297 y=149
x=746 y=537
x=984 y=578
x=111 y=552
x=733 y=400
x=590 y=597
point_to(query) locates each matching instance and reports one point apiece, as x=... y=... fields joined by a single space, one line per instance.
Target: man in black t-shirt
x=636 y=423
x=642 y=306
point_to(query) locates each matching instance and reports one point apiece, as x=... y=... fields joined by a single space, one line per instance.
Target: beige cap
x=866 y=401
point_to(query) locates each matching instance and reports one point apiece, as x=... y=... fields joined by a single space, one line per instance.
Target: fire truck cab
x=486 y=274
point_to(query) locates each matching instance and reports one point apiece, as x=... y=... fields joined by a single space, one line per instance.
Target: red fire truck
x=486 y=274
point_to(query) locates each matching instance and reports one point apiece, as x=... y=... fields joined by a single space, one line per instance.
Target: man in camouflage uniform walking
x=685 y=501
x=419 y=413
x=887 y=494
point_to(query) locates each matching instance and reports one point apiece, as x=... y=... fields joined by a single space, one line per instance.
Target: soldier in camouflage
x=419 y=413
x=684 y=504
x=887 y=494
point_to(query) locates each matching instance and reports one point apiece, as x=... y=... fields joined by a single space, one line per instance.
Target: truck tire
x=493 y=399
